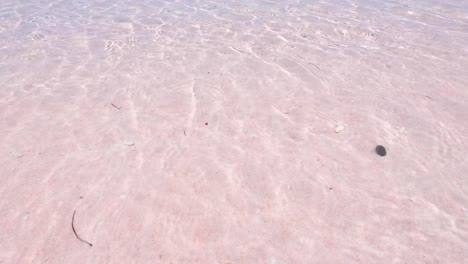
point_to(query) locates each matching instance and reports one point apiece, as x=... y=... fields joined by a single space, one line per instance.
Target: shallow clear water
x=234 y=131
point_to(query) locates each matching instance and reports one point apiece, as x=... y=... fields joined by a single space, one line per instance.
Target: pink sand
x=103 y=106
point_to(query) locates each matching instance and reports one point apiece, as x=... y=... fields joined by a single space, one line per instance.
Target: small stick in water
x=118 y=107
x=74 y=231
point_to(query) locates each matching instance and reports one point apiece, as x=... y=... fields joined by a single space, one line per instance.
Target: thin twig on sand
x=74 y=231
x=118 y=107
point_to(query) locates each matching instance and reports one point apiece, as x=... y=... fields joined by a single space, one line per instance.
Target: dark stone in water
x=381 y=151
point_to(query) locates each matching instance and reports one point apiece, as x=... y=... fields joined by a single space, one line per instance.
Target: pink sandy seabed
x=267 y=179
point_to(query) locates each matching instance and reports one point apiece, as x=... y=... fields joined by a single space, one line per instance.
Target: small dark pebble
x=381 y=151
x=81 y=197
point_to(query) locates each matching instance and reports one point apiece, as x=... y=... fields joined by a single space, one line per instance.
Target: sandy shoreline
x=233 y=132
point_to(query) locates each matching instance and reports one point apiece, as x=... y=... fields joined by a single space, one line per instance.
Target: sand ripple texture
x=233 y=131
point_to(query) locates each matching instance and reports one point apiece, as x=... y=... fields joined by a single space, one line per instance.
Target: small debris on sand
x=380 y=150
x=76 y=234
x=129 y=143
x=118 y=107
x=26 y=216
x=339 y=128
